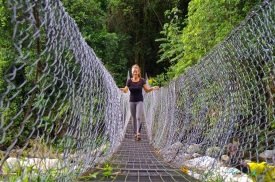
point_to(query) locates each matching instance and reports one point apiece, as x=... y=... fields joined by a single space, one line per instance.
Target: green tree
x=90 y=17
x=207 y=24
x=5 y=41
x=9 y=112
x=141 y=21
x=171 y=45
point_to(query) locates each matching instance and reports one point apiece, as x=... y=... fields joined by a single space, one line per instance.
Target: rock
x=12 y=162
x=169 y=155
x=267 y=156
x=225 y=158
x=172 y=151
x=41 y=164
x=193 y=174
x=226 y=174
x=201 y=164
x=178 y=160
x=36 y=163
x=195 y=148
x=212 y=151
x=15 y=153
x=176 y=146
x=195 y=155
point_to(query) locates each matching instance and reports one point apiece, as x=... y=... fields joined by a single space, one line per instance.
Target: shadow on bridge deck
x=137 y=161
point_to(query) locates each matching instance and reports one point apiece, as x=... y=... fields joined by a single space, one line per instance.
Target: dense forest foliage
x=123 y=33
x=163 y=37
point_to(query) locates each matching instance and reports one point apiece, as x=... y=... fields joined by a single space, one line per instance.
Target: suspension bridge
x=64 y=119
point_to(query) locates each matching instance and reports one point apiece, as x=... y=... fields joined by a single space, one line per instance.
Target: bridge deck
x=137 y=161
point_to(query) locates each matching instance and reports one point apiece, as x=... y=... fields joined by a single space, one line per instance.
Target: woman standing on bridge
x=135 y=85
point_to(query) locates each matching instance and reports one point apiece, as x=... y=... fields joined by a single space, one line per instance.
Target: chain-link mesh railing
x=62 y=113
x=221 y=112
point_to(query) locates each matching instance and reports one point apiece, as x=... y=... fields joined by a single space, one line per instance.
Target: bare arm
x=125 y=89
x=147 y=90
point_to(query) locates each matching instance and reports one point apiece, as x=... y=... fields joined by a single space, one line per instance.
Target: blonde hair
x=136 y=66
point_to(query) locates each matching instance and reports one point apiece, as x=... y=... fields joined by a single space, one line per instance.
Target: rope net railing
x=221 y=112
x=62 y=113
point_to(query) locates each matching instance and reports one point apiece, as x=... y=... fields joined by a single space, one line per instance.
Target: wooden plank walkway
x=136 y=161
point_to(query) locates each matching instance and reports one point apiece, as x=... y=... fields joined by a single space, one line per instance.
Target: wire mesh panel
x=222 y=110
x=61 y=111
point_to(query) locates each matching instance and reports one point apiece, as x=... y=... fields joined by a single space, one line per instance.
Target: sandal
x=138 y=137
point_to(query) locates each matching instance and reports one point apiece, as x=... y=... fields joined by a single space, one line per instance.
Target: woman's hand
x=155 y=88
x=125 y=90
x=149 y=89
